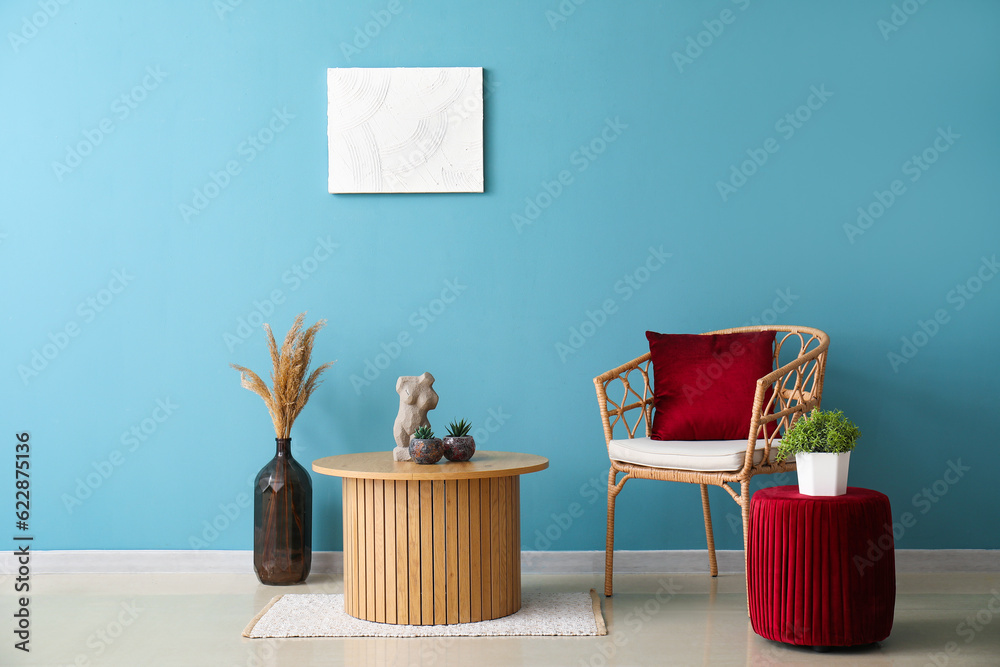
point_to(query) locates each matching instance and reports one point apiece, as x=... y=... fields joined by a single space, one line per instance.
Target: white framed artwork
x=405 y=129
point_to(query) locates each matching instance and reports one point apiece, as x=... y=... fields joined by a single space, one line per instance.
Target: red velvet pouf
x=821 y=570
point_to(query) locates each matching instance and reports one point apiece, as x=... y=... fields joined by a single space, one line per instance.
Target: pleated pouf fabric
x=821 y=571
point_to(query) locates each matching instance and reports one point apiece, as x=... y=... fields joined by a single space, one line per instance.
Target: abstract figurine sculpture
x=416 y=398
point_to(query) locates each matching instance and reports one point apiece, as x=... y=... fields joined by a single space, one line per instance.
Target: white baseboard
x=155 y=562
x=532 y=562
x=696 y=561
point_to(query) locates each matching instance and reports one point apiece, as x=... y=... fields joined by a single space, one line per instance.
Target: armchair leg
x=609 y=550
x=745 y=507
x=713 y=565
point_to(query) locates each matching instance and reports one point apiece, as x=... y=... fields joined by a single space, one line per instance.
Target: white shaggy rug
x=311 y=615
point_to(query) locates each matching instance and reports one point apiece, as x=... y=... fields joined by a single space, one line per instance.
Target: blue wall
x=131 y=314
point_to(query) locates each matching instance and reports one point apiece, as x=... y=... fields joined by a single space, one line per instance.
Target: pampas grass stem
x=291 y=382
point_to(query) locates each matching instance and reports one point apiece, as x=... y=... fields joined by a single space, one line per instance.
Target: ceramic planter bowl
x=459 y=448
x=426 y=450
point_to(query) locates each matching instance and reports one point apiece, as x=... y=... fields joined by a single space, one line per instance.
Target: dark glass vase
x=282 y=520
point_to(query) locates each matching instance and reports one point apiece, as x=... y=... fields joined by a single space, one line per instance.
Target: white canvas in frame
x=405 y=129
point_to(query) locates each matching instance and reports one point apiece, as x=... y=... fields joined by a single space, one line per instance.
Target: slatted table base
x=430 y=552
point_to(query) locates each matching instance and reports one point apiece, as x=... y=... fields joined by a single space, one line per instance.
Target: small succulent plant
x=459 y=429
x=459 y=445
x=423 y=433
x=424 y=447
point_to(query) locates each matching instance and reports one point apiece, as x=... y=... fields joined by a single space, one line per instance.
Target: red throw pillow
x=704 y=384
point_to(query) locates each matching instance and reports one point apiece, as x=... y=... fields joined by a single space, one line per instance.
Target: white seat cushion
x=694 y=455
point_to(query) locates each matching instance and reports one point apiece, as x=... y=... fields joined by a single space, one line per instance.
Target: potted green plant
x=821 y=444
x=458 y=444
x=424 y=447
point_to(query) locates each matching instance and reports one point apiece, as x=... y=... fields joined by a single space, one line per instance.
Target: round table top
x=380 y=465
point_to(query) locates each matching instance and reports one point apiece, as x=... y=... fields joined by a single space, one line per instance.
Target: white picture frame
x=405 y=129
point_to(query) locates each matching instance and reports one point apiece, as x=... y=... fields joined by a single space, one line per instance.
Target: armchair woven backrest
x=797 y=379
x=625 y=393
x=799 y=365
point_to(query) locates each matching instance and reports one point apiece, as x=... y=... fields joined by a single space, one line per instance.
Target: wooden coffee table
x=431 y=544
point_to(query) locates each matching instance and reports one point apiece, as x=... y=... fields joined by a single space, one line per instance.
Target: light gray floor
x=687 y=619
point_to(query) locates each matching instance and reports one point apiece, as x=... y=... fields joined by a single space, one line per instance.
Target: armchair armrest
x=630 y=375
x=798 y=389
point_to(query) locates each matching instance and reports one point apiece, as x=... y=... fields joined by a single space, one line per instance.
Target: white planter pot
x=822 y=474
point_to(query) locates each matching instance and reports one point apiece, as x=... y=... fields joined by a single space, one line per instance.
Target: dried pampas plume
x=292 y=388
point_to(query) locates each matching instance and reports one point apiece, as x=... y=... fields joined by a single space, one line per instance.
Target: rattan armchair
x=797 y=378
